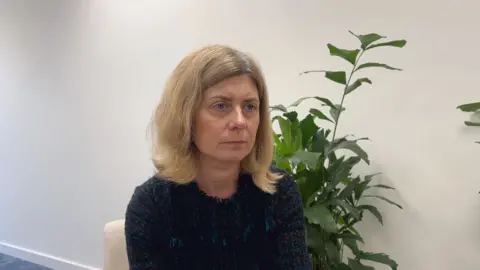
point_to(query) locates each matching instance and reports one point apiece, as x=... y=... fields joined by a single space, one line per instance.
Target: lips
x=235 y=142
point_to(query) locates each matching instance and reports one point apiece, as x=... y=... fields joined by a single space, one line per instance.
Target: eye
x=221 y=106
x=250 y=107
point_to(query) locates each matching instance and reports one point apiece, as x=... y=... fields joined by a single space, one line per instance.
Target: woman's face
x=227 y=121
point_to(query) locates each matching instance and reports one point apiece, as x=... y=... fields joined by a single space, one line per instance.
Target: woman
x=215 y=202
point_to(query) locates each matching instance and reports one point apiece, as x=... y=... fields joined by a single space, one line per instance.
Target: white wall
x=75 y=101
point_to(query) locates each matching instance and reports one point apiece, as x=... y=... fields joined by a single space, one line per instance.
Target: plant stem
x=344 y=94
x=341 y=251
x=340 y=110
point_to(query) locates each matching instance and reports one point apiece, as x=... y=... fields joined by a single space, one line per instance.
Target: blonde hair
x=173 y=152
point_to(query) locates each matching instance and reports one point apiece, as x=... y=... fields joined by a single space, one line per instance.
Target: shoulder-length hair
x=173 y=152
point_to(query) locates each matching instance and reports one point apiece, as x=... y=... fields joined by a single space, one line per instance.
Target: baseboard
x=42 y=258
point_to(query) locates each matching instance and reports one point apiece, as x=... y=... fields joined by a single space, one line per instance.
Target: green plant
x=332 y=195
x=471 y=108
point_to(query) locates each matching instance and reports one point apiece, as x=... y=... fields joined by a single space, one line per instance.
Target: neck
x=216 y=178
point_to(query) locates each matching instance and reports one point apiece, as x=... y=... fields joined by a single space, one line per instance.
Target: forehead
x=238 y=86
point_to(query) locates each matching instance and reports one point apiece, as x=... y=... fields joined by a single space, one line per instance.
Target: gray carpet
x=11 y=263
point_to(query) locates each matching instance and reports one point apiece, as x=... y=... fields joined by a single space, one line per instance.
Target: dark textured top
x=170 y=226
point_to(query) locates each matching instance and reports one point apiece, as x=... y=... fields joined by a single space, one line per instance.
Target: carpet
x=12 y=263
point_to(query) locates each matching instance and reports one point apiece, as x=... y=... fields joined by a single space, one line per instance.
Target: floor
x=11 y=263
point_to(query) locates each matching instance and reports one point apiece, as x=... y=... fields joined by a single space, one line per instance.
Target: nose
x=238 y=119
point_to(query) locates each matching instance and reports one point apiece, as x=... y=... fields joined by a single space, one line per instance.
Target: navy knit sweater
x=170 y=226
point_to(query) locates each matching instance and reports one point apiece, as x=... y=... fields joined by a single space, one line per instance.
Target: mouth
x=235 y=142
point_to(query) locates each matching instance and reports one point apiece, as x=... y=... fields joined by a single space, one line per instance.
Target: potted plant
x=332 y=195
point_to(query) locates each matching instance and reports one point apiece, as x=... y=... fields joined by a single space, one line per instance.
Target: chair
x=115 y=251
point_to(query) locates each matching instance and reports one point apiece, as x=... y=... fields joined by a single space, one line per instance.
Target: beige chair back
x=115 y=250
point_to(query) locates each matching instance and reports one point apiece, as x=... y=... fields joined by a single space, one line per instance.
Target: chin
x=232 y=157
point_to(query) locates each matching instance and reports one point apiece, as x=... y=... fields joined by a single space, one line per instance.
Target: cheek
x=253 y=127
x=206 y=131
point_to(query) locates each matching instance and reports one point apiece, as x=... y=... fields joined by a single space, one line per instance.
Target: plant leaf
x=354 y=147
x=291 y=134
x=394 y=43
x=355 y=212
x=310 y=182
x=298 y=101
x=357 y=84
x=336 y=76
x=384 y=199
x=363 y=185
x=340 y=169
x=296 y=134
x=370 y=176
x=285 y=127
x=472 y=124
x=357 y=265
x=379 y=258
x=352 y=244
x=278 y=108
x=308 y=158
x=349 y=55
x=367 y=39
x=360 y=188
x=349 y=235
x=341 y=266
x=373 y=210
x=308 y=129
x=284 y=109
x=371 y=64
x=292 y=116
x=320 y=215
x=335 y=112
x=351 y=145
x=313 y=234
x=320 y=141
x=319 y=114
x=348 y=190
x=287 y=138
x=381 y=186
x=333 y=252
x=469 y=107
x=326 y=101
x=284 y=164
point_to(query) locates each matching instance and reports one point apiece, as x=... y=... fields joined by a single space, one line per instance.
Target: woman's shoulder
x=151 y=193
x=156 y=185
x=148 y=216
x=285 y=185
x=287 y=202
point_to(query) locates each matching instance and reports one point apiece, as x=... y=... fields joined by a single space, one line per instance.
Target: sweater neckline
x=242 y=185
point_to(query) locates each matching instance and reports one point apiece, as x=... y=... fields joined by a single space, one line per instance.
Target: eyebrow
x=226 y=98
